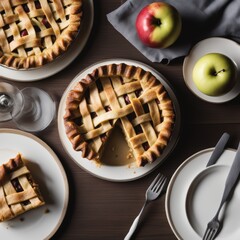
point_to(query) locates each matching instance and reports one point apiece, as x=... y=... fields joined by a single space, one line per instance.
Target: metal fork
x=153 y=191
x=214 y=226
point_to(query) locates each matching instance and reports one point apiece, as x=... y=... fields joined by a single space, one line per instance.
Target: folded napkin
x=200 y=19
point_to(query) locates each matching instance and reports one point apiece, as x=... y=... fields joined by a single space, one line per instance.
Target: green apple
x=214 y=74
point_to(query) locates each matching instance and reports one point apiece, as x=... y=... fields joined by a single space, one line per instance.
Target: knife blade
x=232 y=176
x=215 y=225
x=218 y=150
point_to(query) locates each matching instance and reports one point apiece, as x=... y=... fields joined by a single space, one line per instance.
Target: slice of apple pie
x=18 y=191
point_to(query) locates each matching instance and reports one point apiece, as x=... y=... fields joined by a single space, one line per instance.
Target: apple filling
x=17 y=186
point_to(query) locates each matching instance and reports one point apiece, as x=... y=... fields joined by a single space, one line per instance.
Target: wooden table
x=104 y=210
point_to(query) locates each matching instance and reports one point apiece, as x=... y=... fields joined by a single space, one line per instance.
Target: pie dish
x=47 y=70
x=18 y=191
x=33 y=33
x=119 y=95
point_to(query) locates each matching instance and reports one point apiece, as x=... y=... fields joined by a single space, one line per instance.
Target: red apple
x=158 y=25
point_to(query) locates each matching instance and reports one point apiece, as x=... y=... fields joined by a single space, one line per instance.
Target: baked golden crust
x=18 y=191
x=122 y=93
x=34 y=33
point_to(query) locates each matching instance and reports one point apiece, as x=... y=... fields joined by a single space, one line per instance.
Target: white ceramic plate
x=212 y=45
x=194 y=194
x=62 y=61
x=124 y=172
x=49 y=174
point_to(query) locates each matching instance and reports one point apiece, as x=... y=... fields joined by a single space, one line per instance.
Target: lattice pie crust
x=18 y=191
x=121 y=94
x=34 y=32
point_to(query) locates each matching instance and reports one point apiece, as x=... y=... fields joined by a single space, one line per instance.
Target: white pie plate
x=212 y=45
x=124 y=172
x=60 y=62
x=194 y=194
x=48 y=172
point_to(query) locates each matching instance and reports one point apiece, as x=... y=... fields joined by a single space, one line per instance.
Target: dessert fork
x=214 y=226
x=153 y=191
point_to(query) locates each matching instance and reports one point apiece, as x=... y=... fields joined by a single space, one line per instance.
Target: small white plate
x=60 y=62
x=212 y=45
x=49 y=174
x=126 y=172
x=194 y=194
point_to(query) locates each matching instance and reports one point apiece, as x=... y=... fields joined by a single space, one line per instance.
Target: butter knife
x=218 y=150
x=214 y=226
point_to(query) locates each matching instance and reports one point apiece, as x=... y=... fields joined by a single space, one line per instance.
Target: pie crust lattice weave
x=33 y=33
x=124 y=95
x=18 y=191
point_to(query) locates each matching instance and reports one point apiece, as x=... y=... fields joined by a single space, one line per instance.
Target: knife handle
x=218 y=150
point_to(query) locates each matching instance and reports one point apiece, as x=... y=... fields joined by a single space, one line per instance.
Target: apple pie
x=18 y=191
x=34 y=32
x=122 y=95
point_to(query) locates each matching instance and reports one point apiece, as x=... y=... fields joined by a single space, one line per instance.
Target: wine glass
x=31 y=109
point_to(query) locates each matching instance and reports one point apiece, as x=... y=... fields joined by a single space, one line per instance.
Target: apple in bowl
x=214 y=74
x=158 y=25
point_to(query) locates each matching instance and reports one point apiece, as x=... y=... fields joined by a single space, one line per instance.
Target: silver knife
x=233 y=175
x=218 y=150
x=214 y=226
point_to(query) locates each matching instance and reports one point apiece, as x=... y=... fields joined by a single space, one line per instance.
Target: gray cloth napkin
x=200 y=19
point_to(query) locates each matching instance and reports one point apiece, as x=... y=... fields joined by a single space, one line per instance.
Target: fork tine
x=155 y=186
x=154 y=181
x=206 y=234
x=162 y=185
x=212 y=234
x=209 y=234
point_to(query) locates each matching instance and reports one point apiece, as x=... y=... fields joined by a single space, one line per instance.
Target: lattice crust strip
x=124 y=94
x=33 y=33
x=18 y=191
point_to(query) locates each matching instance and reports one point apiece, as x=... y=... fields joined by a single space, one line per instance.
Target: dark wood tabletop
x=104 y=210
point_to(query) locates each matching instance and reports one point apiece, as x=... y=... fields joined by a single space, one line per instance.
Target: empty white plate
x=194 y=194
